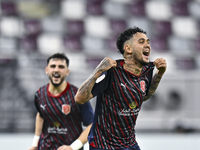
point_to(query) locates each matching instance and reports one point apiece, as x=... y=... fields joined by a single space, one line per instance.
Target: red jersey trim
x=67 y=87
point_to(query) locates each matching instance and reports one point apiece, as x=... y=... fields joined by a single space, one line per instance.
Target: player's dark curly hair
x=59 y=56
x=127 y=35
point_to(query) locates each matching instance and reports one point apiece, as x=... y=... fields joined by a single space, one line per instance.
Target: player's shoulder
x=119 y=61
x=42 y=88
x=45 y=86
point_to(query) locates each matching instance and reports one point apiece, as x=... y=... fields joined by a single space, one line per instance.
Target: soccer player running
x=121 y=86
x=60 y=119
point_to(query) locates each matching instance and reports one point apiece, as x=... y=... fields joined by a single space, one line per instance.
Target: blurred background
x=86 y=31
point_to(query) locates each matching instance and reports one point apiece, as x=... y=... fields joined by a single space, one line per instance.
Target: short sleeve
x=102 y=83
x=37 y=104
x=87 y=113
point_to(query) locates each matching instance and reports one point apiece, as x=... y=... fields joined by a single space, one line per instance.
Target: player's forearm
x=154 y=84
x=82 y=139
x=84 y=92
x=38 y=124
x=84 y=134
x=38 y=130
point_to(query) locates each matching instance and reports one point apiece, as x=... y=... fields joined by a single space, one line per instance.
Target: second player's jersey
x=120 y=95
x=63 y=118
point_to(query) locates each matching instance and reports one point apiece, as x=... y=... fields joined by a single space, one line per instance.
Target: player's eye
x=52 y=66
x=141 y=41
x=61 y=67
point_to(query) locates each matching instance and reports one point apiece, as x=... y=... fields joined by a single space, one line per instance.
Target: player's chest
x=53 y=107
x=131 y=85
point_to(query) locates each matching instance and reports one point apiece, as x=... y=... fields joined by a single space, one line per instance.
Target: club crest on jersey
x=142 y=85
x=66 y=109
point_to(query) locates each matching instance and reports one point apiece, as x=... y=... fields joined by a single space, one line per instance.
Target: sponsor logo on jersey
x=66 y=109
x=57 y=130
x=42 y=106
x=122 y=85
x=129 y=112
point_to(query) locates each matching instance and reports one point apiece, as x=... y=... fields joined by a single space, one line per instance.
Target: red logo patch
x=92 y=144
x=66 y=109
x=142 y=85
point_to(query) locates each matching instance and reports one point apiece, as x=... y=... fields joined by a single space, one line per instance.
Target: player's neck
x=57 y=90
x=132 y=67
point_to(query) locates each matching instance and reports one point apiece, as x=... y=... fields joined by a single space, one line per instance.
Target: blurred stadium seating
x=86 y=31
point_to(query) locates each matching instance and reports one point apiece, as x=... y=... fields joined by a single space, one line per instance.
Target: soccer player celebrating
x=121 y=86
x=60 y=119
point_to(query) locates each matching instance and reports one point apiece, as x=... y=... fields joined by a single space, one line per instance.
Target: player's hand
x=64 y=147
x=33 y=148
x=161 y=65
x=106 y=64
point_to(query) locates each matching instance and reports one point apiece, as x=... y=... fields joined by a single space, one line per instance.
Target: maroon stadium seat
x=162 y=28
x=75 y=27
x=8 y=8
x=29 y=43
x=137 y=8
x=110 y=44
x=186 y=63
x=180 y=8
x=94 y=7
x=32 y=26
x=117 y=26
x=72 y=43
x=159 y=43
x=196 y=43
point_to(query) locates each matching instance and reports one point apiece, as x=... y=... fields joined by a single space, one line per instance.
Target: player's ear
x=127 y=48
x=67 y=72
x=46 y=70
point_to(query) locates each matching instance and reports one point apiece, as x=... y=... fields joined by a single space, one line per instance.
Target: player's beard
x=56 y=84
x=141 y=61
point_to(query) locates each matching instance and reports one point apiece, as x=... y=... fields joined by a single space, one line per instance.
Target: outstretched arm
x=161 y=65
x=84 y=92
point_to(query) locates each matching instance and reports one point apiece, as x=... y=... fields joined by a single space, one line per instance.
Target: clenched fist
x=161 y=65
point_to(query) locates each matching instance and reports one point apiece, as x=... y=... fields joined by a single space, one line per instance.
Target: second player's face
x=57 y=70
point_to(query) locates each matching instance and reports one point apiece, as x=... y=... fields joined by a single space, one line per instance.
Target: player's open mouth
x=146 y=53
x=56 y=75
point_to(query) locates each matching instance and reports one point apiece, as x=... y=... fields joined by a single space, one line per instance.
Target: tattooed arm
x=84 y=92
x=161 y=65
x=154 y=84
